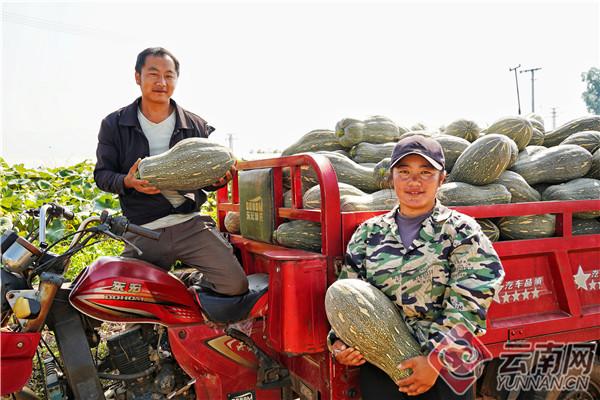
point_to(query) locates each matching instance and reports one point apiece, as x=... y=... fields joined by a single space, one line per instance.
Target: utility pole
x=532 y=70
x=553 y=117
x=517 y=83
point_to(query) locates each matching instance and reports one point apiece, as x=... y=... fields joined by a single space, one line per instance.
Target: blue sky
x=269 y=72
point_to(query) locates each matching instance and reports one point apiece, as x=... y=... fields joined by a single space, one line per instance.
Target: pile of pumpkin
x=513 y=160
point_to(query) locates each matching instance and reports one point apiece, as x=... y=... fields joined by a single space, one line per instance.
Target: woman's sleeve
x=475 y=275
x=355 y=255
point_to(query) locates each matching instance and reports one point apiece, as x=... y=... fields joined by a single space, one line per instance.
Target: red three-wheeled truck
x=542 y=332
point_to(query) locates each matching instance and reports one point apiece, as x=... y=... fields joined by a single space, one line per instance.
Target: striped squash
x=519 y=189
x=464 y=129
x=347 y=171
x=577 y=189
x=585 y=226
x=489 y=229
x=190 y=164
x=376 y=129
x=537 y=138
x=528 y=152
x=381 y=200
x=518 y=129
x=536 y=121
x=483 y=161
x=453 y=147
x=464 y=194
x=589 y=140
x=232 y=222
x=318 y=139
x=312 y=197
x=514 y=154
x=298 y=234
x=527 y=227
x=588 y=123
x=425 y=133
x=554 y=165
x=371 y=152
x=363 y=317
x=594 y=171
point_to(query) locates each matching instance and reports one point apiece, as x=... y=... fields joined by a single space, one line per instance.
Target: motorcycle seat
x=228 y=309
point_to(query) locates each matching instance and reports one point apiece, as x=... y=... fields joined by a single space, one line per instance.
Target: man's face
x=157 y=79
x=416 y=183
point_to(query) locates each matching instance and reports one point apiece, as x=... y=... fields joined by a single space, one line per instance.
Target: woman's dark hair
x=154 y=51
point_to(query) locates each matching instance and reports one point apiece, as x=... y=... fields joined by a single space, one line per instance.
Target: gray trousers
x=197 y=243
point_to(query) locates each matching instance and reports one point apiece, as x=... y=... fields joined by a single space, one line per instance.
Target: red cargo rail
x=551 y=290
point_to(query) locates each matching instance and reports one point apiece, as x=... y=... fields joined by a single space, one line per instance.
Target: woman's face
x=416 y=183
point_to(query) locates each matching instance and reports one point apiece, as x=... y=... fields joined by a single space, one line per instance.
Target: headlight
x=18 y=256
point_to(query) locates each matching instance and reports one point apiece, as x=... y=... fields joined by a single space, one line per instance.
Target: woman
x=434 y=263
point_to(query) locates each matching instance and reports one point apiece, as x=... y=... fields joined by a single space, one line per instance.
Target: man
x=151 y=125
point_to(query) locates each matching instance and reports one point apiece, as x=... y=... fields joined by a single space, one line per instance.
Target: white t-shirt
x=159 y=135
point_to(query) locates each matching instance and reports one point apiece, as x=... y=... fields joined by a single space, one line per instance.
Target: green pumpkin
x=315 y=140
x=577 y=189
x=464 y=194
x=554 y=165
x=517 y=128
x=483 y=161
x=190 y=164
x=376 y=129
x=587 y=123
x=299 y=234
x=464 y=129
x=363 y=317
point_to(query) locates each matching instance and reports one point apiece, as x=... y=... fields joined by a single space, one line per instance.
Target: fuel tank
x=120 y=289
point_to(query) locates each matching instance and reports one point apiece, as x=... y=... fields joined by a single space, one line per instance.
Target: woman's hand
x=422 y=379
x=347 y=355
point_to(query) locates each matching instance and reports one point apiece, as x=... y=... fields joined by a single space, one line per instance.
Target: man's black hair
x=154 y=51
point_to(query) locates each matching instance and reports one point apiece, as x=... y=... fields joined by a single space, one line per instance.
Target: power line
x=62 y=27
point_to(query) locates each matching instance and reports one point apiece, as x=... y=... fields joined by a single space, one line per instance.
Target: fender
x=16 y=359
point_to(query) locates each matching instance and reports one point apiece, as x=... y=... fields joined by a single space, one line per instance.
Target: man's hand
x=140 y=185
x=422 y=379
x=347 y=355
x=224 y=180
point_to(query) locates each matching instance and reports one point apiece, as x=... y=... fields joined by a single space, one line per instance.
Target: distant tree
x=591 y=96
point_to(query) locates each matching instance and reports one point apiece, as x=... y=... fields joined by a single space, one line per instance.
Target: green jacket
x=447 y=276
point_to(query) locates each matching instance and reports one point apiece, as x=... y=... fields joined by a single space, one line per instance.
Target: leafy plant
x=73 y=187
x=591 y=95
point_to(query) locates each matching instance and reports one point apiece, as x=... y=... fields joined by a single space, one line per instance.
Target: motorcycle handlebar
x=145 y=232
x=120 y=224
x=62 y=211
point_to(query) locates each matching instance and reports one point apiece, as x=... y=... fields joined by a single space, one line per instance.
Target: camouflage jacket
x=448 y=275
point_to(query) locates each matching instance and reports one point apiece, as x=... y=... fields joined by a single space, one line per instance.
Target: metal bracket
x=14 y=295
